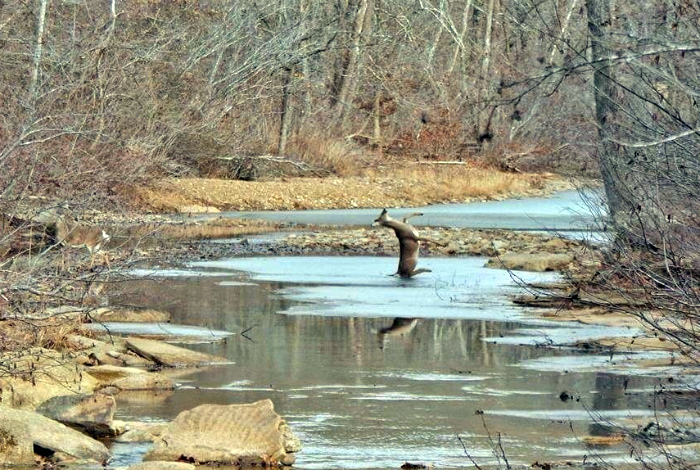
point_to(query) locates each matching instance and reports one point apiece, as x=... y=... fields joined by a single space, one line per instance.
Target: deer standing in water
x=409 y=243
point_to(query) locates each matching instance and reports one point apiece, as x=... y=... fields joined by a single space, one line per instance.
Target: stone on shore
x=452 y=241
x=107 y=373
x=146 y=381
x=245 y=435
x=95 y=352
x=168 y=355
x=40 y=374
x=538 y=262
x=130 y=378
x=130 y=315
x=16 y=447
x=52 y=438
x=91 y=414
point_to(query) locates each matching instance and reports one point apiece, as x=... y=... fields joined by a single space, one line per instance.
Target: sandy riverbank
x=389 y=188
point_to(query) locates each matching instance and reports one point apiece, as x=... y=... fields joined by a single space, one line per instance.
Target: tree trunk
x=348 y=74
x=377 y=137
x=286 y=117
x=436 y=41
x=485 y=93
x=38 y=50
x=101 y=84
x=564 y=30
x=486 y=62
x=460 y=50
x=607 y=101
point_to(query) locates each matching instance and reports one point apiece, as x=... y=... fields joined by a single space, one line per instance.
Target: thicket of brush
x=96 y=96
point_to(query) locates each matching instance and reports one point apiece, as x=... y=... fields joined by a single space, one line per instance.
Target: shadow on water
x=372 y=371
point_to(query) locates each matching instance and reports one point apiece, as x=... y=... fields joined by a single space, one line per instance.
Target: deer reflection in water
x=399 y=327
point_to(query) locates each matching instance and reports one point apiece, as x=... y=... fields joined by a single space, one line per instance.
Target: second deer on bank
x=93 y=238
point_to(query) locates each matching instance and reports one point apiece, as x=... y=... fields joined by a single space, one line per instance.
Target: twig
x=243 y=333
x=466 y=452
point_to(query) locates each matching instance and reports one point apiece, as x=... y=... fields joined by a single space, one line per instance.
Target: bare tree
x=607 y=104
x=360 y=12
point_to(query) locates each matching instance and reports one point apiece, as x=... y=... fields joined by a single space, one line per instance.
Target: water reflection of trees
x=306 y=356
x=288 y=344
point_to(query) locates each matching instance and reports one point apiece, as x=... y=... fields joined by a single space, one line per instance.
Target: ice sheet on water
x=460 y=288
x=563 y=335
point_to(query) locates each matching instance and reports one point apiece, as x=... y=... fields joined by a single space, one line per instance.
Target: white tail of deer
x=79 y=236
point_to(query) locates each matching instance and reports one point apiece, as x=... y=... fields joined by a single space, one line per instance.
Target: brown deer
x=78 y=236
x=409 y=243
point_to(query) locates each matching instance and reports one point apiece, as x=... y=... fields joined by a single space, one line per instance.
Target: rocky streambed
x=56 y=405
x=58 y=401
x=530 y=251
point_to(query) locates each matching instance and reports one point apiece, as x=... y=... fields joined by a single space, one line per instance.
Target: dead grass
x=337 y=157
x=439 y=183
x=51 y=333
x=196 y=230
x=391 y=186
x=604 y=441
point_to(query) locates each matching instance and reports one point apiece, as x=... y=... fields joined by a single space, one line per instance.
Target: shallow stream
x=461 y=363
x=563 y=211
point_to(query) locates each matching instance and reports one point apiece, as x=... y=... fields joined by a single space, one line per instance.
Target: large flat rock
x=130 y=378
x=130 y=315
x=149 y=381
x=94 y=351
x=51 y=436
x=245 y=435
x=168 y=355
x=107 y=373
x=92 y=414
x=162 y=466
x=16 y=447
x=40 y=374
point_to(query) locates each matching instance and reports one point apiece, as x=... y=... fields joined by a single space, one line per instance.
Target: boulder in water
x=130 y=378
x=242 y=435
x=162 y=466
